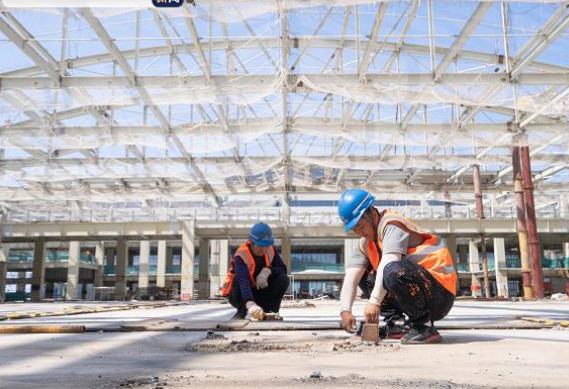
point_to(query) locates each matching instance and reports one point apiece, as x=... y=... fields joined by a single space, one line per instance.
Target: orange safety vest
x=432 y=254
x=244 y=251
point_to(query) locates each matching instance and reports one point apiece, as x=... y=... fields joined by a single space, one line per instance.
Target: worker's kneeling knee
x=393 y=270
x=282 y=280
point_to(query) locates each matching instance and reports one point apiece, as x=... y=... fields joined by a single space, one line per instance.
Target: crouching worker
x=257 y=278
x=414 y=281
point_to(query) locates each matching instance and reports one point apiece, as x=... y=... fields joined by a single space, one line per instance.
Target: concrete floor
x=537 y=358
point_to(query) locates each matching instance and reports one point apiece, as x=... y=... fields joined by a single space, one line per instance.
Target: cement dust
x=287 y=342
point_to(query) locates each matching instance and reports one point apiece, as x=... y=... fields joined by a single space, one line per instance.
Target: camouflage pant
x=411 y=291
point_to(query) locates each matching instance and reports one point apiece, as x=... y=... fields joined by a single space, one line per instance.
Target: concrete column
x=565 y=250
x=203 y=290
x=188 y=257
x=223 y=261
x=3 y=268
x=451 y=244
x=161 y=265
x=286 y=253
x=120 y=270
x=73 y=271
x=500 y=265
x=462 y=253
x=474 y=262
x=100 y=260
x=219 y=256
x=144 y=266
x=38 y=270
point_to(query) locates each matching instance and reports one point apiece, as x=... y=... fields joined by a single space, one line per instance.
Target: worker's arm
x=350 y=287
x=355 y=269
x=242 y=278
x=394 y=245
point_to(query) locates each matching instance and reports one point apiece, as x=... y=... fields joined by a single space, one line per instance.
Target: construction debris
x=316 y=375
x=297 y=304
x=213 y=335
x=278 y=343
x=559 y=296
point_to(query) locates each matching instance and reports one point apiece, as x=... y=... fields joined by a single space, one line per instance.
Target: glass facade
x=316 y=288
x=21 y=255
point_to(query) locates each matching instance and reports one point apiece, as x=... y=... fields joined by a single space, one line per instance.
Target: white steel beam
x=303 y=41
x=553 y=78
x=96 y=25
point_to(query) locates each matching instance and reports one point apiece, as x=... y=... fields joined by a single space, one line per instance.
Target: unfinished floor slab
x=324 y=358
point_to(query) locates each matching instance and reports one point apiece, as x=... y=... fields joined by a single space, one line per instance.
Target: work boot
x=393 y=331
x=422 y=335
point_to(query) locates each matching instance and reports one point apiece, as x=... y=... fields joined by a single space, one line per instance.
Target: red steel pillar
x=521 y=224
x=537 y=271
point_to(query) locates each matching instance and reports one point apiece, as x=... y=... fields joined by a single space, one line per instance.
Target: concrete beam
x=29 y=232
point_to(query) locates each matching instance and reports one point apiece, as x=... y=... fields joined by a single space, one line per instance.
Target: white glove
x=262 y=280
x=255 y=312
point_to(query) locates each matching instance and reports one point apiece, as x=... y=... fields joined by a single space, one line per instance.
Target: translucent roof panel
x=198 y=110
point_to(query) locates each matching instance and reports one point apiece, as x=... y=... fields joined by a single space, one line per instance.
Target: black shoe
x=393 y=331
x=422 y=335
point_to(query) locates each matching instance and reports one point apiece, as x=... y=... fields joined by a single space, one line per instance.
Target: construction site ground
x=486 y=344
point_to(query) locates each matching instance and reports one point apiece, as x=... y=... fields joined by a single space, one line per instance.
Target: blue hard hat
x=352 y=205
x=261 y=235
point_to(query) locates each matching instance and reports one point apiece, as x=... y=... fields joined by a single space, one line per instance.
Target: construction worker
x=257 y=278
x=402 y=269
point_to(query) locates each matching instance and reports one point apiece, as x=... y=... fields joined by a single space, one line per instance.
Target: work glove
x=254 y=311
x=262 y=280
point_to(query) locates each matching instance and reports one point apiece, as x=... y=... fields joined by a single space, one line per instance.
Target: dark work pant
x=269 y=298
x=413 y=291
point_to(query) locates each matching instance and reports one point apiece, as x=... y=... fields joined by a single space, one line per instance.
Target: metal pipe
x=521 y=224
x=480 y=216
x=537 y=271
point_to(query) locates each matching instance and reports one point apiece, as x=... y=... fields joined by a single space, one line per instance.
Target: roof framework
x=110 y=113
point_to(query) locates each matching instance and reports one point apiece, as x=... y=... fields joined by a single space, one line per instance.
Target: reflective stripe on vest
x=432 y=254
x=244 y=251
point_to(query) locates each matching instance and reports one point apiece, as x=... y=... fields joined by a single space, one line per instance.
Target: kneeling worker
x=257 y=278
x=415 y=275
